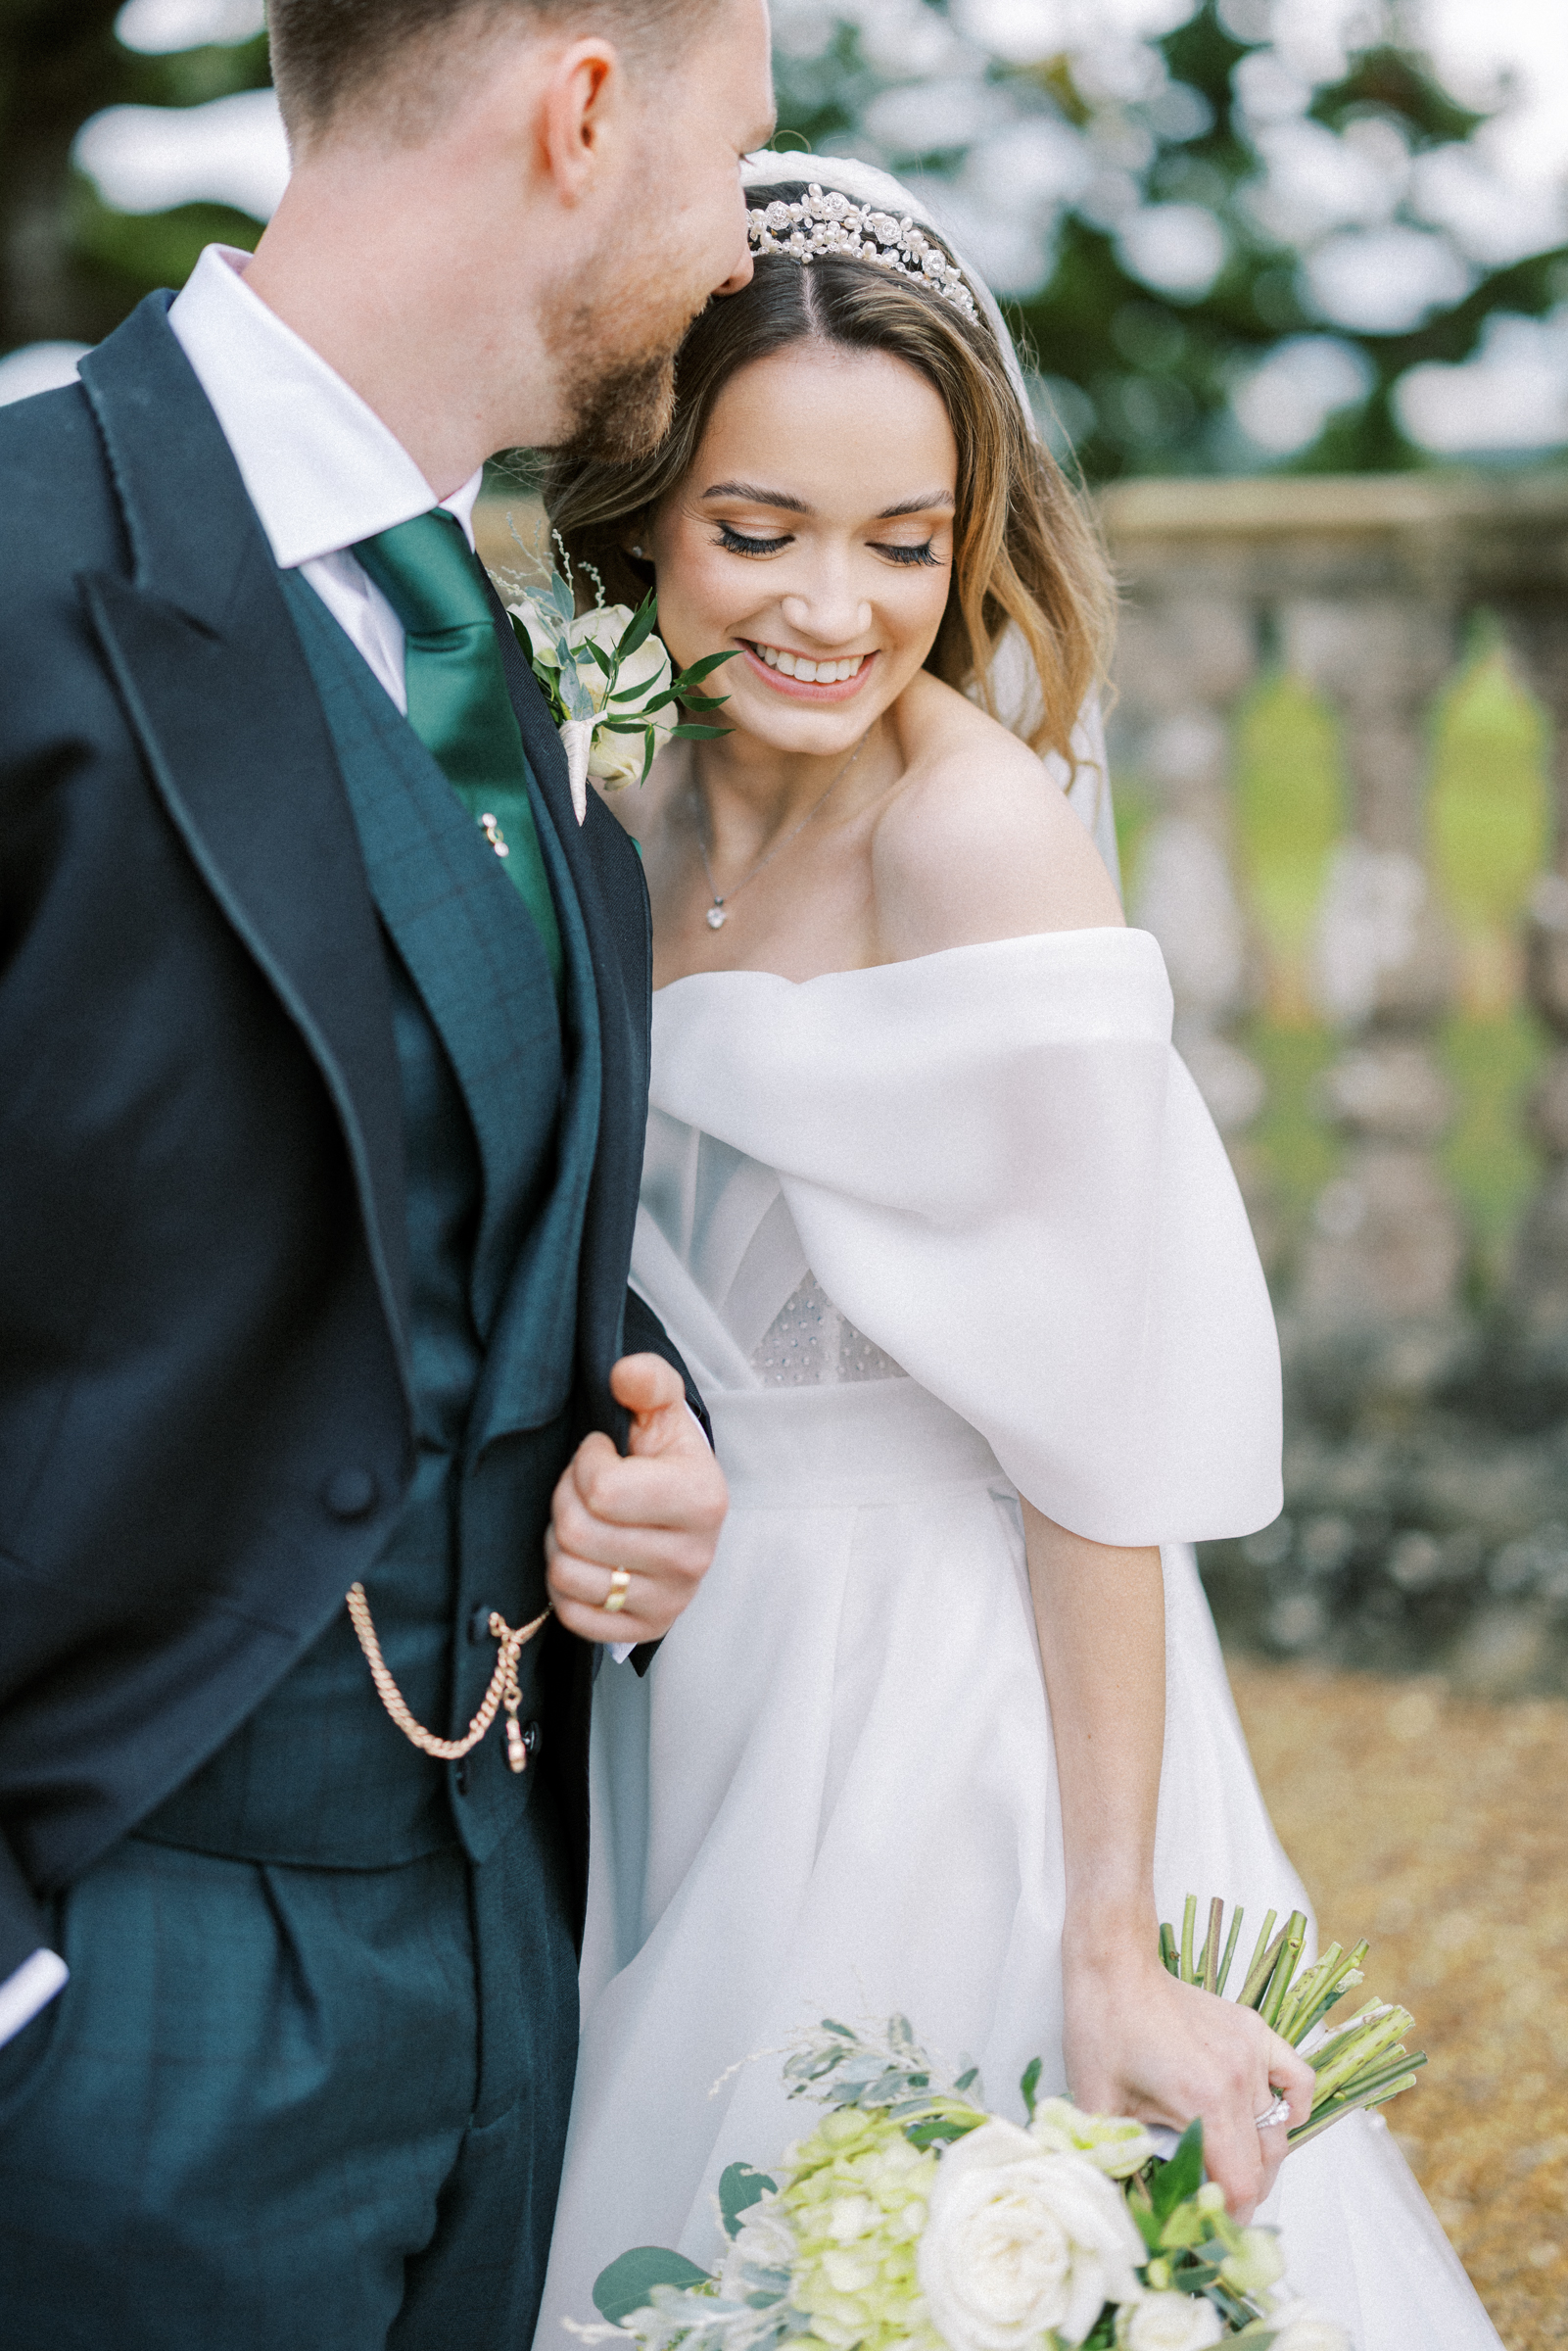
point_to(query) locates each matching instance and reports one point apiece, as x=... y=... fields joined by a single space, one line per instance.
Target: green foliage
x=1150 y=374
x=739 y=2187
x=147 y=250
x=628 y=2283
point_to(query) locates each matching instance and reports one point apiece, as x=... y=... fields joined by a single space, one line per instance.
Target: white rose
x=1021 y=2243
x=616 y=760
x=1169 y=2322
x=1298 y=2327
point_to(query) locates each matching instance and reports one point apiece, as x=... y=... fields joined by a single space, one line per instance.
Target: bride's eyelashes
x=736 y=543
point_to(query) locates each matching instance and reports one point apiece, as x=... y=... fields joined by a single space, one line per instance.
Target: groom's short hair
x=328 y=54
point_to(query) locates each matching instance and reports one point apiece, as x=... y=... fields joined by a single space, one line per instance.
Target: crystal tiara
x=818 y=225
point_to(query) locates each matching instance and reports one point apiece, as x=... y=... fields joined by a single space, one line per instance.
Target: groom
x=323 y=1069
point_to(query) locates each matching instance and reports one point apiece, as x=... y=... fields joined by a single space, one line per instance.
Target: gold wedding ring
x=620 y=1580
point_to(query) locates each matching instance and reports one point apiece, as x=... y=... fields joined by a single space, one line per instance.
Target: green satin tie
x=458 y=704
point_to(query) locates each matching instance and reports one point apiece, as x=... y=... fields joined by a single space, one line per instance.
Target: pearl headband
x=818 y=225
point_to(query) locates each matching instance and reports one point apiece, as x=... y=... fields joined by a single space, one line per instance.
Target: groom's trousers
x=279 y=2107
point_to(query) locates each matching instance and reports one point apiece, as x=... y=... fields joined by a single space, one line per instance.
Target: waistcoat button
x=350 y=1492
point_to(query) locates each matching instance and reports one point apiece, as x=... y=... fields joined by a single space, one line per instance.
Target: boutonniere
x=609 y=683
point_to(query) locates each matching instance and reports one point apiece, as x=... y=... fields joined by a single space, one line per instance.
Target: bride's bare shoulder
x=979 y=844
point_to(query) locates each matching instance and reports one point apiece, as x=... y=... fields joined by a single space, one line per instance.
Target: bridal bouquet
x=913 y=2215
x=608 y=682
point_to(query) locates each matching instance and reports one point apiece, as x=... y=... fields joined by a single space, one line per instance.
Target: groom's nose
x=742 y=274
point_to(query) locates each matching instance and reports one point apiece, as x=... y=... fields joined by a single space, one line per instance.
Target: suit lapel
x=606 y=876
x=219 y=695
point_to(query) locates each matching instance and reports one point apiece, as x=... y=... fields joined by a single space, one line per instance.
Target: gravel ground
x=1438 y=1826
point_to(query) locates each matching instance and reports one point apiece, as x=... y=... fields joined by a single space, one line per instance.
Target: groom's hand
x=643 y=1525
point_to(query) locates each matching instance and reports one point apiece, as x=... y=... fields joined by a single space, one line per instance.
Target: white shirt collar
x=321 y=469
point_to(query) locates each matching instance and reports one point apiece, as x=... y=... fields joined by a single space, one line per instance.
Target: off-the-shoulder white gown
x=930 y=1235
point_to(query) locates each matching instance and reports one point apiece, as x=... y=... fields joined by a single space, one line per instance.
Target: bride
x=940 y=1224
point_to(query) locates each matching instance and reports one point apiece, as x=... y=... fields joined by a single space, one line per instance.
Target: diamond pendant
x=716 y=917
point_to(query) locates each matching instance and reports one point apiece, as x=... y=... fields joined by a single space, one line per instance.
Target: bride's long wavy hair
x=1025 y=551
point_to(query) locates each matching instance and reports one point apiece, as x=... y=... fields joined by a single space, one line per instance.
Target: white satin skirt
x=834 y=1794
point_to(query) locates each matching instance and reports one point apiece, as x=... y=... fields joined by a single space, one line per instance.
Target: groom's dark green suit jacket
x=206 y=1408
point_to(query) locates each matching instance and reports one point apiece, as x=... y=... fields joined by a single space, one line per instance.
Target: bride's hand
x=1137 y=2041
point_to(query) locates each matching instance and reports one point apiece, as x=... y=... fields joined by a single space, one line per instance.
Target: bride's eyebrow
x=915 y=506
x=754 y=497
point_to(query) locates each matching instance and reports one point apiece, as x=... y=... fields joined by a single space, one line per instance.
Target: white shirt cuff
x=620 y=1651
x=32 y=1987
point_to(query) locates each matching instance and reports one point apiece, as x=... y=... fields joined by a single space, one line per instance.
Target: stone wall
x=1427 y=1462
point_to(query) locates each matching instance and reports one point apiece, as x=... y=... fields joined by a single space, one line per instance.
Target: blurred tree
x=1217 y=259
x=1224 y=246
x=70 y=267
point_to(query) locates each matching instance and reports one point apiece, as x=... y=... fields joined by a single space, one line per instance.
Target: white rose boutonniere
x=609 y=683
x=1022 y=2243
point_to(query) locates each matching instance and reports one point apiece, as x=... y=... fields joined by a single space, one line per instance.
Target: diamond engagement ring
x=1279 y=2112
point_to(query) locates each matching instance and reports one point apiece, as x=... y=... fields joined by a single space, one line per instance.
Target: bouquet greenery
x=912 y=2216
x=608 y=681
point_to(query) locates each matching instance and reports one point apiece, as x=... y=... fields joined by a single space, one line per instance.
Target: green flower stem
x=1168 y=1951
x=1361 y=2047
x=1285 y=1967
x=1209 y=1964
x=1264 y=1958
x=1376 y=2093
x=1345 y=1975
x=1236 y=1917
x=1188 y=1915
x=1304 y=1991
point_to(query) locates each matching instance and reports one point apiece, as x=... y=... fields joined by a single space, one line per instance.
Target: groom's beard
x=621 y=400
x=621 y=418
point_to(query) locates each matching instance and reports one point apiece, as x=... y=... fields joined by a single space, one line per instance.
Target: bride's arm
x=1136 y=2041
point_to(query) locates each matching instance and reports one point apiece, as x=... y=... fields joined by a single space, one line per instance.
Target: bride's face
x=814 y=534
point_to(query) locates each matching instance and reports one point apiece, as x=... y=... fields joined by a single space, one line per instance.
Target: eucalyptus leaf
x=940 y=2132
x=739 y=2187
x=628 y=2283
x=561 y=597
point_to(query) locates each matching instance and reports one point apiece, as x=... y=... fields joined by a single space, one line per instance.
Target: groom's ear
x=581 y=110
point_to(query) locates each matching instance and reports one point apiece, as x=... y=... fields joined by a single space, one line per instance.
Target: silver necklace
x=718 y=912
